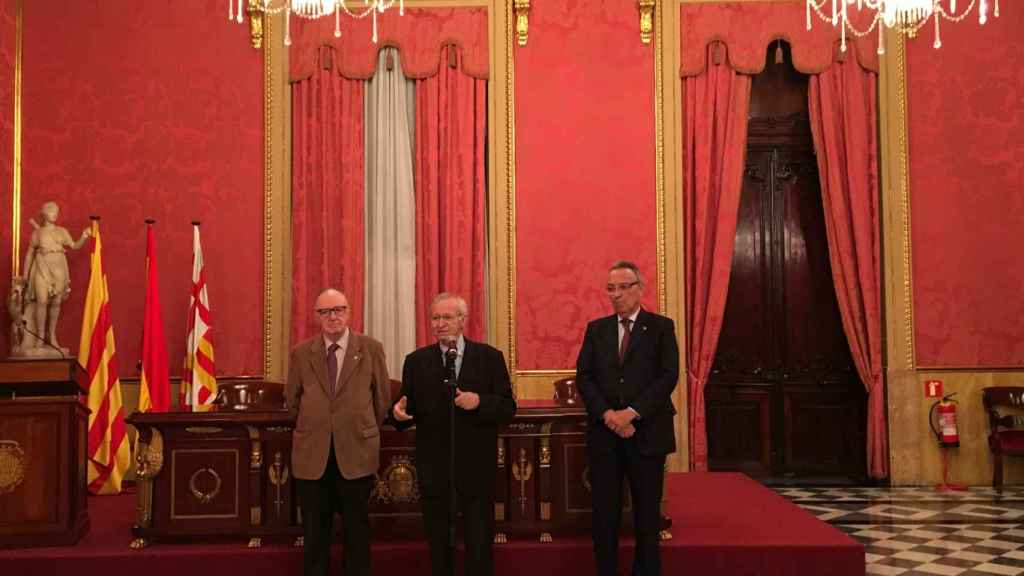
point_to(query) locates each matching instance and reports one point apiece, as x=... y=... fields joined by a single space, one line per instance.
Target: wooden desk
x=227 y=473
x=42 y=453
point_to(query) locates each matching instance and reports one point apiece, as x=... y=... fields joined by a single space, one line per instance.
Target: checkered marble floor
x=917 y=531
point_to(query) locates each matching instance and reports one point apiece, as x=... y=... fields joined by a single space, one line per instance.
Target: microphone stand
x=450 y=379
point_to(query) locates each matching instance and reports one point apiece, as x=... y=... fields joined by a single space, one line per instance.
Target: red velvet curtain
x=328 y=193
x=451 y=122
x=715 y=130
x=844 y=120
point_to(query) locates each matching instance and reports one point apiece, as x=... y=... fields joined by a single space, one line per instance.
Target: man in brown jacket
x=339 y=390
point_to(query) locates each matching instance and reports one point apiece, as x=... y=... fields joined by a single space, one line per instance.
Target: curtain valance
x=419 y=35
x=747 y=28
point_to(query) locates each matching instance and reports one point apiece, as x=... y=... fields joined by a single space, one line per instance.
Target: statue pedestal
x=42 y=453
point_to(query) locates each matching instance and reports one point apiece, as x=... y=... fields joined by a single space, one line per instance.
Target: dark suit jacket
x=643 y=381
x=352 y=416
x=476 y=432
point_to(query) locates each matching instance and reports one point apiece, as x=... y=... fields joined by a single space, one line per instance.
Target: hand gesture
x=467 y=400
x=398 y=410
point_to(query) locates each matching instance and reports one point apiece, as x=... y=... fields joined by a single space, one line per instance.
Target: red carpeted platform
x=723 y=524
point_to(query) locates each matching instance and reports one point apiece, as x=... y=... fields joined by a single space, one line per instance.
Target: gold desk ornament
x=646 y=20
x=255 y=449
x=204 y=497
x=278 y=473
x=12 y=466
x=203 y=429
x=149 y=461
x=522 y=10
x=522 y=471
x=398 y=482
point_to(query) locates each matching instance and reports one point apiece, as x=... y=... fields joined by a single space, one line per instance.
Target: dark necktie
x=624 y=345
x=332 y=367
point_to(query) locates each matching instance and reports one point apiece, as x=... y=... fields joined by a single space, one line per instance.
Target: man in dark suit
x=339 y=391
x=483 y=403
x=626 y=371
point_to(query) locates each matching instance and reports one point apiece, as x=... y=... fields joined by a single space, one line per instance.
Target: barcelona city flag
x=155 y=387
x=108 y=450
x=198 y=384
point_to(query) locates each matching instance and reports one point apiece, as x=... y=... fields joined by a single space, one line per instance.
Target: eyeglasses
x=336 y=311
x=620 y=287
x=445 y=317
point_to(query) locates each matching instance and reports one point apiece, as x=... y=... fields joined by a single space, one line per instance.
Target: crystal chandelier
x=313 y=9
x=905 y=16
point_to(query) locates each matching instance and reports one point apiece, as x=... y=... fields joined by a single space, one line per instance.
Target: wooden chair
x=1006 y=425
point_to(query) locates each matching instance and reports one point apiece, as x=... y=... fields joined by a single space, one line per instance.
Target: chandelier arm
x=860 y=34
x=907 y=18
x=954 y=17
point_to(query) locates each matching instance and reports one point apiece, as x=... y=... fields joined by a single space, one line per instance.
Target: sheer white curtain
x=390 y=310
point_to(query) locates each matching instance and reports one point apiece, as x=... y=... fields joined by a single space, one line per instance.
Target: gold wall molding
x=276 y=202
x=906 y=421
x=669 y=114
x=501 y=328
x=16 y=165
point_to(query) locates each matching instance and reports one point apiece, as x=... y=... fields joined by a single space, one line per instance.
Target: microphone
x=450 y=356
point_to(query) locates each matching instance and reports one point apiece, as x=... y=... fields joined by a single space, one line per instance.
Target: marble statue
x=44 y=288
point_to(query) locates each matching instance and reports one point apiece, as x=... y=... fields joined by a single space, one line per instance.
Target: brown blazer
x=353 y=416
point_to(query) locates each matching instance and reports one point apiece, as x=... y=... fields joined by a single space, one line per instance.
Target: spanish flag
x=155 y=389
x=199 y=385
x=108 y=450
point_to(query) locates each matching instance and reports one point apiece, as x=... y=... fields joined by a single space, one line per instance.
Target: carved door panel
x=783 y=398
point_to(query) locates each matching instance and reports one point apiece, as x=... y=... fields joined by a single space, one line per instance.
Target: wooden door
x=783 y=399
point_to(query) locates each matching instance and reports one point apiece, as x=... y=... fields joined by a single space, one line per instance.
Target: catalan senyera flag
x=108 y=450
x=155 y=389
x=199 y=386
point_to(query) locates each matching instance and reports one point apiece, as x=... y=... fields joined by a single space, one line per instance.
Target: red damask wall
x=8 y=15
x=966 y=124
x=136 y=110
x=585 y=171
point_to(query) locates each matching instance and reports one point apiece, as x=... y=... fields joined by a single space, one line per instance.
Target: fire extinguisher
x=942 y=418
